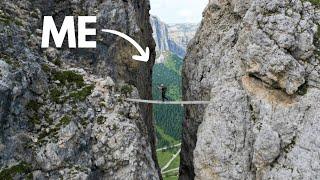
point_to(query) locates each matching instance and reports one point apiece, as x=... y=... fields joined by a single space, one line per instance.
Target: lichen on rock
x=62 y=113
x=257 y=60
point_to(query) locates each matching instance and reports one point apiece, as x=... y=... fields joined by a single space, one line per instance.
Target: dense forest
x=168 y=117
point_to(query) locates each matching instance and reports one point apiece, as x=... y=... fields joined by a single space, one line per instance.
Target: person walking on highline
x=163 y=90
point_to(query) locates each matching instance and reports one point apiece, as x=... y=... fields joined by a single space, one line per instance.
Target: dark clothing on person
x=163 y=90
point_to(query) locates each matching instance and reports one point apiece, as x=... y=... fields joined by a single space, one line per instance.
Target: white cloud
x=178 y=11
x=187 y=15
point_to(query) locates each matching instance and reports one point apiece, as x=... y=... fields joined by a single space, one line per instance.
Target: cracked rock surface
x=258 y=61
x=62 y=111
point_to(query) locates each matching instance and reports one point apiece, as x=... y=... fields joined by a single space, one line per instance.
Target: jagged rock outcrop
x=173 y=37
x=258 y=62
x=62 y=113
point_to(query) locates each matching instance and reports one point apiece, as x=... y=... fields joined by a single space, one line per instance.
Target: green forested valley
x=168 y=117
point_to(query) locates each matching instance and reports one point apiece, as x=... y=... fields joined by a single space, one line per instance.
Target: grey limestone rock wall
x=258 y=61
x=62 y=111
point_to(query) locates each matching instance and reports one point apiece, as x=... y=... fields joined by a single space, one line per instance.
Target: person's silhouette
x=163 y=90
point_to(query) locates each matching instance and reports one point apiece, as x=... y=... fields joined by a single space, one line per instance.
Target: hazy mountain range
x=172 y=37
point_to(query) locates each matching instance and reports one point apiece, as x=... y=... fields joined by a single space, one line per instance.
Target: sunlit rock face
x=257 y=61
x=62 y=111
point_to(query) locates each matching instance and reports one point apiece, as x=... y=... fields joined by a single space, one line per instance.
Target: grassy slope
x=171 y=176
x=165 y=137
x=168 y=117
x=163 y=158
x=167 y=155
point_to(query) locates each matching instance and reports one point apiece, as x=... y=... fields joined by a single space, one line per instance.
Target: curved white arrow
x=144 y=54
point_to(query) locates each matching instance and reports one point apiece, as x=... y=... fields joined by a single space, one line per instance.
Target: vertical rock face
x=258 y=62
x=182 y=34
x=160 y=34
x=62 y=113
x=173 y=37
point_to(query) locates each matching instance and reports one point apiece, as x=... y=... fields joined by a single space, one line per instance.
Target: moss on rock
x=65 y=120
x=10 y=172
x=126 y=89
x=100 y=120
x=7 y=20
x=69 y=77
x=34 y=120
x=82 y=94
x=313 y=2
x=10 y=61
x=34 y=105
x=46 y=68
x=57 y=62
x=52 y=134
x=55 y=95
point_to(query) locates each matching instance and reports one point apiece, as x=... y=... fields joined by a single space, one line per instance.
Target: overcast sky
x=178 y=11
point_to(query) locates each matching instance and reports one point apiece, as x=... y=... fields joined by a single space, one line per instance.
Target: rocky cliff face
x=160 y=34
x=258 y=62
x=174 y=37
x=182 y=34
x=62 y=113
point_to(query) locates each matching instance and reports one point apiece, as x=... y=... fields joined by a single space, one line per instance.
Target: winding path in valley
x=170 y=170
x=169 y=147
x=170 y=161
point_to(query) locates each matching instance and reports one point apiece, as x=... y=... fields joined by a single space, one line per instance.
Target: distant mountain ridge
x=172 y=37
x=181 y=34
